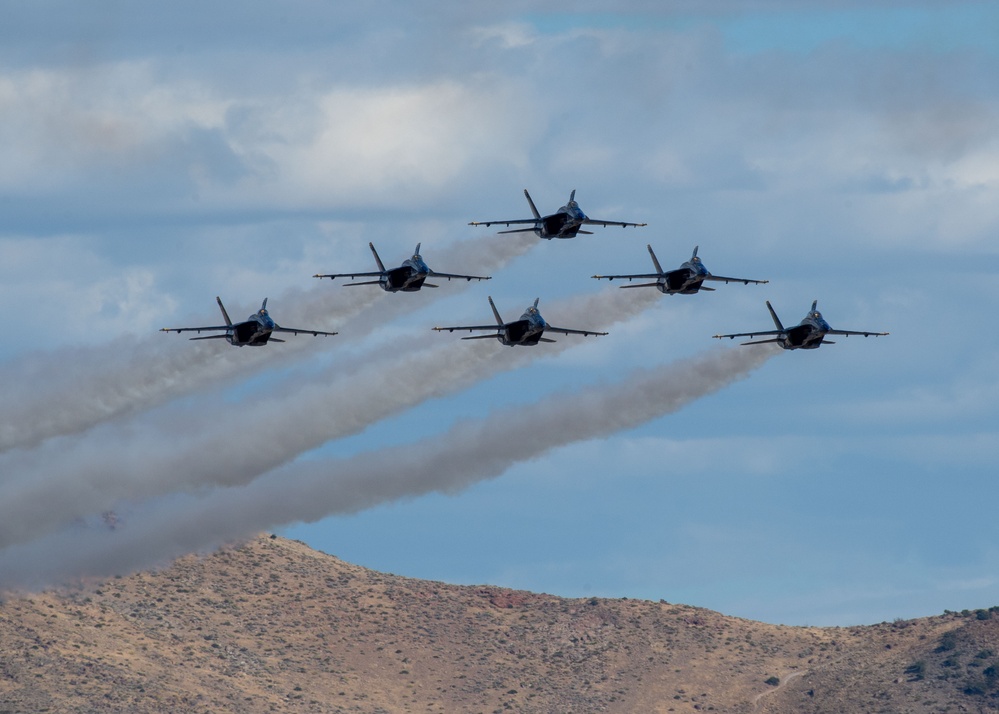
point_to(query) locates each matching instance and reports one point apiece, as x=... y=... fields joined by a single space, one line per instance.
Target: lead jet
x=255 y=331
x=528 y=330
x=808 y=334
x=686 y=280
x=408 y=277
x=564 y=223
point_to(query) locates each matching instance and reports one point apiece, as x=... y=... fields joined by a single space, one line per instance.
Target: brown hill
x=273 y=626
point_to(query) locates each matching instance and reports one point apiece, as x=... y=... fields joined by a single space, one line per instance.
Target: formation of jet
x=528 y=330
x=567 y=222
x=686 y=280
x=806 y=335
x=408 y=277
x=564 y=223
x=255 y=331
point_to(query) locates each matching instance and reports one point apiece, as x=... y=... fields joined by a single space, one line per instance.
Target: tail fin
x=378 y=260
x=572 y=195
x=222 y=308
x=263 y=305
x=694 y=254
x=416 y=252
x=534 y=209
x=774 y=316
x=499 y=320
x=814 y=303
x=655 y=261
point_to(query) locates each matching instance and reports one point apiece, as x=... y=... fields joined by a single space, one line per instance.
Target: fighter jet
x=528 y=330
x=686 y=280
x=408 y=277
x=808 y=334
x=564 y=223
x=255 y=331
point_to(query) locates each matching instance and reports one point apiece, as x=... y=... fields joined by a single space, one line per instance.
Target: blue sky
x=847 y=152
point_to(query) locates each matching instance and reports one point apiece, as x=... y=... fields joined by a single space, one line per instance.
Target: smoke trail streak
x=230 y=446
x=75 y=389
x=468 y=453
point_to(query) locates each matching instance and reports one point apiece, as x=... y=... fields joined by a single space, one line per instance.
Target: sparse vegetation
x=273 y=626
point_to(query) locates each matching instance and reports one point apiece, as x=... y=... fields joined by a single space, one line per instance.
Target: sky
x=848 y=152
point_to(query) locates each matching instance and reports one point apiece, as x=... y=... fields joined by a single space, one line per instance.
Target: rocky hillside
x=273 y=626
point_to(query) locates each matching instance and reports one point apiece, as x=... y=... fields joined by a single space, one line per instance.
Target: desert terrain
x=274 y=626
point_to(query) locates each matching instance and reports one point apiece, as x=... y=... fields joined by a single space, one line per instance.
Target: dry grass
x=274 y=626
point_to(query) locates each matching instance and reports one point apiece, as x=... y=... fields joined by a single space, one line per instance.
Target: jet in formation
x=686 y=280
x=564 y=223
x=408 y=277
x=808 y=334
x=255 y=331
x=528 y=330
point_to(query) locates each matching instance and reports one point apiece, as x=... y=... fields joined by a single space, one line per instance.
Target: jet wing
x=564 y=331
x=350 y=275
x=195 y=329
x=504 y=223
x=454 y=276
x=744 y=281
x=637 y=276
x=298 y=330
x=752 y=334
x=494 y=327
x=595 y=222
x=856 y=332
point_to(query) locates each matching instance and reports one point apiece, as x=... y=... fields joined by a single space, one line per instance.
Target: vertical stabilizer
x=774 y=316
x=378 y=260
x=655 y=260
x=222 y=308
x=534 y=209
x=499 y=320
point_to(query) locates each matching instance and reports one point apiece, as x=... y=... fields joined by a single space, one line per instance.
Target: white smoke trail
x=228 y=446
x=307 y=491
x=75 y=389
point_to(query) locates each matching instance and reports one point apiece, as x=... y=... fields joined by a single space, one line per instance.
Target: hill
x=273 y=626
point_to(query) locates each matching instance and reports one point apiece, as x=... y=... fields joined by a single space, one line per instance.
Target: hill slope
x=275 y=626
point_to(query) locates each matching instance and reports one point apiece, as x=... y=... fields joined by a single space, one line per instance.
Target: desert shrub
x=772 y=681
x=916 y=670
x=948 y=641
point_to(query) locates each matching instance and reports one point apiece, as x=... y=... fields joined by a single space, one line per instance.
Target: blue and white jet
x=808 y=334
x=688 y=279
x=408 y=277
x=528 y=330
x=564 y=223
x=255 y=331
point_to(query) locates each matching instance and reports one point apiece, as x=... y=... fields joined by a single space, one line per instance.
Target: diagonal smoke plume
x=219 y=445
x=75 y=389
x=470 y=452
